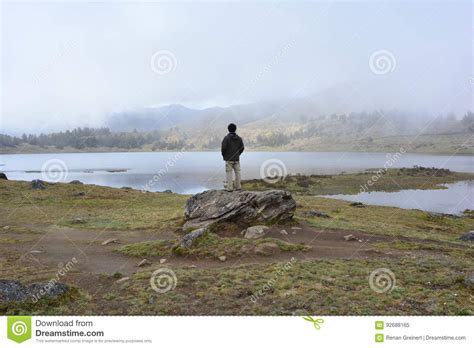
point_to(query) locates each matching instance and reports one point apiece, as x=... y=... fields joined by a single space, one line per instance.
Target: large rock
x=14 y=291
x=241 y=207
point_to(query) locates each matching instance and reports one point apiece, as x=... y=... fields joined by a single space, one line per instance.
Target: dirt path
x=51 y=246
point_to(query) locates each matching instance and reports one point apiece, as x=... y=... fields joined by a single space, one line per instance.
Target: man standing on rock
x=232 y=147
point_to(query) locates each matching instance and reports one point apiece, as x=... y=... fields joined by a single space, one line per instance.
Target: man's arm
x=241 y=146
x=224 y=146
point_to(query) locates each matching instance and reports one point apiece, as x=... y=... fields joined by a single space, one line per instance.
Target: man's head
x=232 y=128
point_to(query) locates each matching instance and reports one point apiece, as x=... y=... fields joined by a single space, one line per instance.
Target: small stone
x=80 y=194
x=357 y=204
x=79 y=220
x=76 y=182
x=143 y=263
x=192 y=266
x=110 y=240
x=296 y=228
x=350 y=237
x=222 y=258
x=122 y=280
x=468 y=236
x=316 y=214
x=162 y=260
x=35 y=251
x=255 y=232
x=284 y=232
x=6 y=227
x=38 y=185
x=469 y=281
x=267 y=248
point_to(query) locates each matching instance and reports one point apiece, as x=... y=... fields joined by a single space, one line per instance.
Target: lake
x=192 y=172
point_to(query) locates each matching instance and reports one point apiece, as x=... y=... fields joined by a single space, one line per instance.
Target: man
x=232 y=147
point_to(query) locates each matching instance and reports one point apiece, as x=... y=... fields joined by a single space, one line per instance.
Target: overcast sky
x=67 y=65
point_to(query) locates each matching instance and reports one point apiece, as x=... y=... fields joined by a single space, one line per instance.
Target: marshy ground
x=306 y=267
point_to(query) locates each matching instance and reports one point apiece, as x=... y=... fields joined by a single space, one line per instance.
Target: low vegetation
x=211 y=245
x=371 y=180
x=428 y=261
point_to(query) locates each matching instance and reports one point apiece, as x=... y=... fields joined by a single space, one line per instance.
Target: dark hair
x=232 y=128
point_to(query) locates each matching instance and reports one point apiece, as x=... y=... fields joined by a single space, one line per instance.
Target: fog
x=67 y=65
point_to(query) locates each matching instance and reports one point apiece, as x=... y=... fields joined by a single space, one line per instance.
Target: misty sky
x=72 y=64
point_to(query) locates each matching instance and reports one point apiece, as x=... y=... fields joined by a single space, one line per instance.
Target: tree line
x=81 y=138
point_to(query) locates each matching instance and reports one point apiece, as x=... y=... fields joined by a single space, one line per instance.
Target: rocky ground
x=85 y=249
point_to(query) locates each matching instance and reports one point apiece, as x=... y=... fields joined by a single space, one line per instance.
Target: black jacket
x=232 y=147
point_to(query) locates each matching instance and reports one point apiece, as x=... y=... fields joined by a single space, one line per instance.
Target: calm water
x=193 y=172
x=453 y=200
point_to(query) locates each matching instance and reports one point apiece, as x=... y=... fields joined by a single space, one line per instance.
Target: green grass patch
x=390 y=180
x=211 y=245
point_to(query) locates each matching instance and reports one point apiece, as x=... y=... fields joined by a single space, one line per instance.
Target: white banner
x=237 y=332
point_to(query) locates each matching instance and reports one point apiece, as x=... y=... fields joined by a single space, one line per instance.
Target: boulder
x=255 y=232
x=188 y=240
x=48 y=289
x=38 y=185
x=243 y=208
x=468 y=236
x=76 y=182
x=3 y=176
x=14 y=291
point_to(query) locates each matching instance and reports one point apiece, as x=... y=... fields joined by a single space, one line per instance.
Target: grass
x=101 y=207
x=429 y=281
x=211 y=245
x=421 y=286
x=390 y=181
x=337 y=287
x=382 y=220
